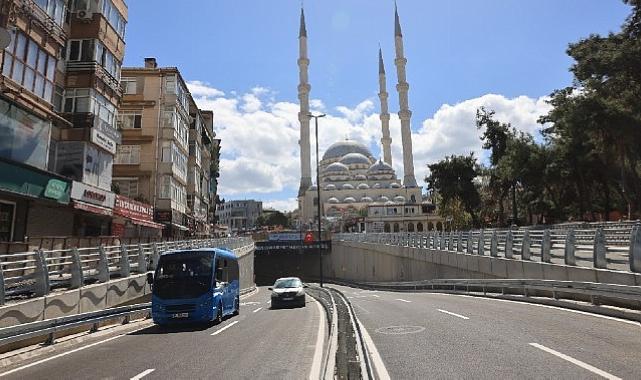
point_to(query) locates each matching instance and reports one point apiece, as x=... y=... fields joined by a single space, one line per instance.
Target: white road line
x=377 y=361
x=454 y=314
x=260 y=308
x=317 y=361
x=402 y=300
x=375 y=295
x=267 y=302
x=224 y=328
x=143 y=374
x=361 y=307
x=249 y=303
x=576 y=362
x=69 y=352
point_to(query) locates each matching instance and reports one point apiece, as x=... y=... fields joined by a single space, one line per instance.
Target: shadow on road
x=173 y=329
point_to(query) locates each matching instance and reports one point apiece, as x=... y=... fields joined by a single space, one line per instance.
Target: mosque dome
x=399 y=199
x=360 y=177
x=380 y=167
x=332 y=200
x=383 y=198
x=355 y=159
x=363 y=186
x=376 y=186
x=349 y=200
x=366 y=199
x=347 y=186
x=395 y=185
x=331 y=186
x=342 y=148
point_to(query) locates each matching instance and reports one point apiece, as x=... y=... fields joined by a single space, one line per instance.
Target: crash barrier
x=608 y=246
x=36 y=274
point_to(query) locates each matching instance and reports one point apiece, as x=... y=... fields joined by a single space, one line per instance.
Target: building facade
x=59 y=95
x=239 y=215
x=168 y=149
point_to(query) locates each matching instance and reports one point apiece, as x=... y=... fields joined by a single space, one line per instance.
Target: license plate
x=180 y=315
x=288 y=298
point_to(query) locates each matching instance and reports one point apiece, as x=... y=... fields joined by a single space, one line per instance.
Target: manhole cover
x=400 y=330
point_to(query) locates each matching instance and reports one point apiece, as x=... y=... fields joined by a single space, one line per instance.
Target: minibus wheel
x=236 y=306
x=219 y=314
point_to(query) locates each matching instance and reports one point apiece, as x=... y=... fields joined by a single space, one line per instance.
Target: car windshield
x=287 y=283
x=183 y=275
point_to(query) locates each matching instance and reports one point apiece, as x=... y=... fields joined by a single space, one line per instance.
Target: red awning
x=92 y=208
x=147 y=223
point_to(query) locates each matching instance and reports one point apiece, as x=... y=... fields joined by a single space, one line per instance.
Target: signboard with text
x=91 y=194
x=132 y=209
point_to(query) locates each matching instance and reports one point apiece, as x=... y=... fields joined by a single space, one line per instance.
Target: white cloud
x=198 y=88
x=289 y=204
x=260 y=152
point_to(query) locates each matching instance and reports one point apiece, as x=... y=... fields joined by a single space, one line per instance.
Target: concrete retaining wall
x=354 y=261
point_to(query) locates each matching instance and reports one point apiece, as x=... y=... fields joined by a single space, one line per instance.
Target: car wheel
x=219 y=314
x=236 y=306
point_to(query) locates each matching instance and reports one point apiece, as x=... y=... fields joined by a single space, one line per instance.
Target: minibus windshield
x=184 y=275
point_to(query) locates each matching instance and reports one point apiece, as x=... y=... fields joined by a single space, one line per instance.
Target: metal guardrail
x=613 y=247
x=35 y=274
x=52 y=326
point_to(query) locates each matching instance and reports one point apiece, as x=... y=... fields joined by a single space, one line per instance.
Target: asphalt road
x=257 y=344
x=440 y=336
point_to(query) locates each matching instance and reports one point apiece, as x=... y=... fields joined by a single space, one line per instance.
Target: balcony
x=99 y=71
x=38 y=16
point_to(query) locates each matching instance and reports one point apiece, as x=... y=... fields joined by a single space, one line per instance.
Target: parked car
x=288 y=291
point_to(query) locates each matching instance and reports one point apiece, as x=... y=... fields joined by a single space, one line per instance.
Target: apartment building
x=59 y=95
x=167 y=149
x=239 y=215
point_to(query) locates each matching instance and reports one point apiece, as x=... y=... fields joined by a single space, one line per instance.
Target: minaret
x=386 y=140
x=303 y=115
x=404 y=113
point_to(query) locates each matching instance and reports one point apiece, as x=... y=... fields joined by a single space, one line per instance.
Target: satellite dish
x=5 y=38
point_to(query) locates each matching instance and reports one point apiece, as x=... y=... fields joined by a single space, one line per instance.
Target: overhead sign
x=93 y=195
x=103 y=141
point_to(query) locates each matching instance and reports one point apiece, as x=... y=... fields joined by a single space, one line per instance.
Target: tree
x=272 y=219
x=453 y=179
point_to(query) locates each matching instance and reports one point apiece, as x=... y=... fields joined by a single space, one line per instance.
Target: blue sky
x=241 y=54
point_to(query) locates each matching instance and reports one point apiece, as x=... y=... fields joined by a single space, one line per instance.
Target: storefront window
x=85 y=163
x=23 y=136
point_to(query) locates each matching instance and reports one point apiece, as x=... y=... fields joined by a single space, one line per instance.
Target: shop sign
x=56 y=189
x=163 y=216
x=132 y=209
x=32 y=183
x=103 y=141
x=108 y=131
x=117 y=229
x=93 y=195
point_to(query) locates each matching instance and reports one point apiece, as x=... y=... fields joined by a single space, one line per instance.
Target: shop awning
x=146 y=223
x=180 y=227
x=92 y=208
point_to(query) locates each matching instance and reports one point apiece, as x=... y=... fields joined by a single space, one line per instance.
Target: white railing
x=35 y=274
x=612 y=246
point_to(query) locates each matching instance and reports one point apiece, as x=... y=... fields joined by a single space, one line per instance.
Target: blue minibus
x=194 y=285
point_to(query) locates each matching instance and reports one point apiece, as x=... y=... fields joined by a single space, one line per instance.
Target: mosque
x=355 y=185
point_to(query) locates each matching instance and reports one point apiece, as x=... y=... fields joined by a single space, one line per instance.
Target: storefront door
x=7 y=219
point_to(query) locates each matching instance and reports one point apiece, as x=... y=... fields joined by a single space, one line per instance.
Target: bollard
x=494 y=245
x=142 y=260
x=469 y=244
x=459 y=242
x=570 y=259
x=546 y=247
x=525 y=246
x=42 y=285
x=599 y=259
x=103 y=265
x=450 y=243
x=635 y=249
x=77 y=276
x=509 y=240
x=442 y=241
x=154 y=256
x=125 y=270
x=481 y=244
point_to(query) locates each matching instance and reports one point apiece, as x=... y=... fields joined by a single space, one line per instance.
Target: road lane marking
x=317 y=361
x=376 y=295
x=576 y=362
x=260 y=308
x=70 y=352
x=249 y=303
x=402 y=300
x=454 y=314
x=224 y=328
x=377 y=361
x=143 y=374
x=361 y=307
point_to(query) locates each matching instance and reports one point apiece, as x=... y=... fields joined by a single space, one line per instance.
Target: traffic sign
x=309 y=238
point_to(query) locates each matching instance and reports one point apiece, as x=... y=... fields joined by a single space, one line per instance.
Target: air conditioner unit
x=84 y=15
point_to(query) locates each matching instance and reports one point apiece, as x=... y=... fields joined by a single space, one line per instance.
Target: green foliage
x=272 y=219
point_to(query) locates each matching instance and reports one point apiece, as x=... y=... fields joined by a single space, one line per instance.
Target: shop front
x=134 y=219
x=93 y=210
x=174 y=222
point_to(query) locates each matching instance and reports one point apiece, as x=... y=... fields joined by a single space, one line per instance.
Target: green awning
x=34 y=183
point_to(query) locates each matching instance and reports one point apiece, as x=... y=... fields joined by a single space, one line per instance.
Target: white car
x=288 y=291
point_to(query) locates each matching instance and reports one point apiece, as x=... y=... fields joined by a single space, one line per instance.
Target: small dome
x=376 y=186
x=360 y=177
x=347 y=186
x=380 y=167
x=363 y=186
x=342 y=148
x=355 y=159
x=399 y=198
x=395 y=185
x=331 y=186
x=383 y=198
x=388 y=203
x=367 y=200
x=336 y=167
x=349 y=200
x=332 y=200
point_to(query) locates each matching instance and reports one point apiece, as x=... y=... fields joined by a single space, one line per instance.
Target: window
x=127 y=186
x=29 y=66
x=54 y=8
x=177 y=121
x=98 y=167
x=129 y=85
x=114 y=17
x=130 y=120
x=77 y=100
x=88 y=100
x=128 y=155
x=91 y=50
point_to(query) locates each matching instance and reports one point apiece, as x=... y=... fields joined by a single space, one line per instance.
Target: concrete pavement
x=260 y=343
x=438 y=336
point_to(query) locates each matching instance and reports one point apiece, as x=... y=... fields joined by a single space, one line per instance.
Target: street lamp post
x=318 y=200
